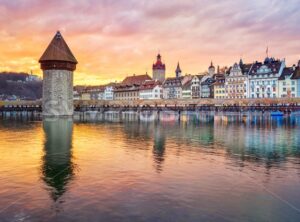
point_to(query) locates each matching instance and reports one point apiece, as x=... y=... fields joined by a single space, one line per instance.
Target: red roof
x=136 y=79
x=151 y=84
x=159 y=64
x=58 y=50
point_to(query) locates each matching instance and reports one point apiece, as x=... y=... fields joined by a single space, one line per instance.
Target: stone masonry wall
x=57 y=93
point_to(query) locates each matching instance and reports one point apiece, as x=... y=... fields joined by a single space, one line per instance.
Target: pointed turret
x=58 y=55
x=178 y=71
x=158 y=57
x=241 y=63
x=211 y=69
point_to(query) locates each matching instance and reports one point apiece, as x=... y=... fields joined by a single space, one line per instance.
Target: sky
x=112 y=39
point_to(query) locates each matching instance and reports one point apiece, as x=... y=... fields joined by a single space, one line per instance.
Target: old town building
x=219 y=87
x=187 y=89
x=296 y=77
x=206 y=87
x=288 y=83
x=109 y=92
x=172 y=88
x=126 y=92
x=236 y=83
x=128 y=89
x=263 y=78
x=151 y=89
x=196 y=86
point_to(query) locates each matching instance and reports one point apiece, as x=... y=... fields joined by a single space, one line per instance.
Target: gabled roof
x=208 y=81
x=136 y=79
x=286 y=73
x=198 y=76
x=296 y=74
x=173 y=81
x=246 y=68
x=187 y=84
x=272 y=65
x=58 y=50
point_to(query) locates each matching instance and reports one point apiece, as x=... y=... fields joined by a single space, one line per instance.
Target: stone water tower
x=58 y=64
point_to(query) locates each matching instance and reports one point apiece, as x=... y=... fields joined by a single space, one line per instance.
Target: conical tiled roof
x=58 y=50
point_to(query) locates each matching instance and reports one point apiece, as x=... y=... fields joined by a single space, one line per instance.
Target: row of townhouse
x=268 y=79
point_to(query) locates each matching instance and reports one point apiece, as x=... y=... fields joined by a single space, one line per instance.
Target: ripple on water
x=65 y=171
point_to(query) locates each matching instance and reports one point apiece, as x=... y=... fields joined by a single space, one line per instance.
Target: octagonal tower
x=58 y=64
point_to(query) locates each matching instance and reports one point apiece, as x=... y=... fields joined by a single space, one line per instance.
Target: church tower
x=58 y=64
x=211 y=69
x=178 y=71
x=159 y=70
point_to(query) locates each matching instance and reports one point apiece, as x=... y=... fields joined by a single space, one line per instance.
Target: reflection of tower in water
x=159 y=148
x=57 y=169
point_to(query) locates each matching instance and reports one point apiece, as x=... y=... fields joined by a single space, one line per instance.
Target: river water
x=186 y=170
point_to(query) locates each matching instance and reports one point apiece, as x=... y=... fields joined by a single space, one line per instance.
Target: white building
x=108 y=93
x=196 y=86
x=151 y=89
x=33 y=78
x=288 y=84
x=263 y=78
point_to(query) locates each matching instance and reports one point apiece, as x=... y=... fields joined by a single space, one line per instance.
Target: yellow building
x=85 y=96
x=219 y=88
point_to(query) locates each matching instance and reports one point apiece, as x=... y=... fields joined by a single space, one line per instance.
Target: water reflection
x=57 y=168
x=159 y=148
x=185 y=170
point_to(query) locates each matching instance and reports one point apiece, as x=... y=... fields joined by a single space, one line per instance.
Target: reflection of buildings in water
x=139 y=130
x=261 y=142
x=159 y=147
x=57 y=169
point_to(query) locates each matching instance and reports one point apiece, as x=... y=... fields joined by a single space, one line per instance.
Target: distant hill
x=13 y=76
x=14 y=84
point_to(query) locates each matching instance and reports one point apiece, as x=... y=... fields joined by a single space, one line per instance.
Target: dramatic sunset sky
x=115 y=38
